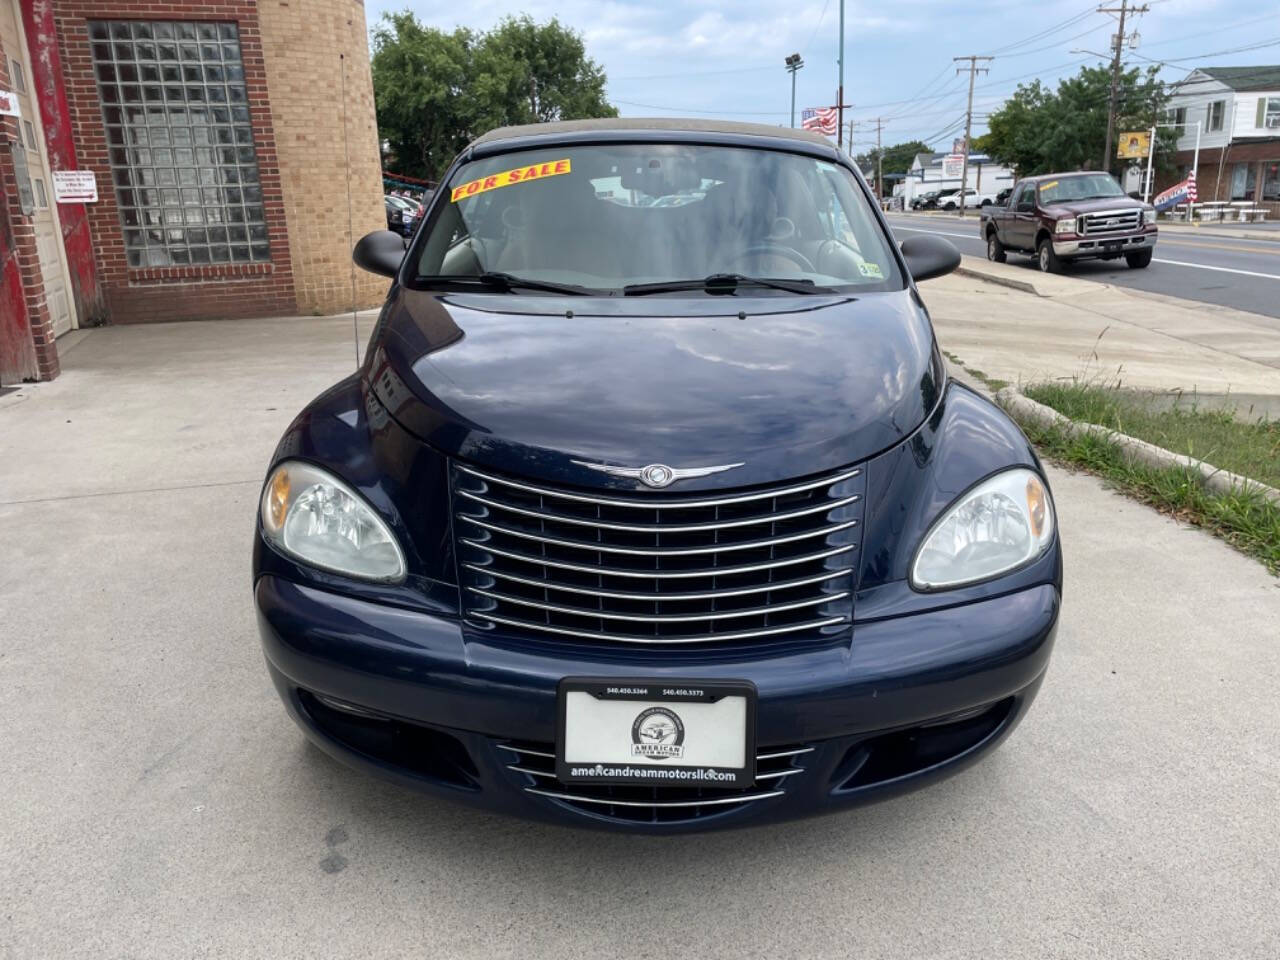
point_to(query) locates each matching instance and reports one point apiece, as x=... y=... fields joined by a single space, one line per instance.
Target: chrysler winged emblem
x=656 y=475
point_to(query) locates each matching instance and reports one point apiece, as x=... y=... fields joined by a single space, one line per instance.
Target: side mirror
x=1026 y=206
x=928 y=256
x=380 y=252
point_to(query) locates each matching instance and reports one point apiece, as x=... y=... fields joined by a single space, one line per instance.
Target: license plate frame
x=601 y=755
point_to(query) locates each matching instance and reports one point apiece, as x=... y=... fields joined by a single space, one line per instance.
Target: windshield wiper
x=723 y=283
x=509 y=281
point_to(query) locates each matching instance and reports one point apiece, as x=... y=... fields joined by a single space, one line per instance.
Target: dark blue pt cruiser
x=652 y=506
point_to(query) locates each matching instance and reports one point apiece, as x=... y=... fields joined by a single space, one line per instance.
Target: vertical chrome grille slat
x=746 y=565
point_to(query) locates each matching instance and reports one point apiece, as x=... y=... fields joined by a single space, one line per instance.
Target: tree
x=1038 y=130
x=435 y=91
x=421 y=78
x=897 y=158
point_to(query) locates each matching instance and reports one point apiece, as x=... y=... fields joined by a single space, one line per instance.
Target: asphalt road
x=1239 y=273
x=158 y=803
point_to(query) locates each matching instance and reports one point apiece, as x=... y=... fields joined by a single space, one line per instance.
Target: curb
x=1023 y=285
x=1210 y=477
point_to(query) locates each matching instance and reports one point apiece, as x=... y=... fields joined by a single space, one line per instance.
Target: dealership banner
x=1184 y=192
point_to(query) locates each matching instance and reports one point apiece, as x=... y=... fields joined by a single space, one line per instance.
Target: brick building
x=235 y=154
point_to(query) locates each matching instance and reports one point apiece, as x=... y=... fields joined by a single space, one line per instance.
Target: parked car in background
x=972 y=200
x=407 y=209
x=658 y=518
x=395 y=215
x=943 y=197
x=423 y=201
x=925 y=201
x=1061 y=217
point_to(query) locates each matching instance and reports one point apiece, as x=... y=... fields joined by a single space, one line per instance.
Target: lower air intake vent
x=775 y=766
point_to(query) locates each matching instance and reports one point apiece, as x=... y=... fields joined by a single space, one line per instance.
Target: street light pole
x=794 y=63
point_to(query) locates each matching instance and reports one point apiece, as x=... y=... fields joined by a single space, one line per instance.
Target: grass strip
x=1248 y=521
x=1246 y=446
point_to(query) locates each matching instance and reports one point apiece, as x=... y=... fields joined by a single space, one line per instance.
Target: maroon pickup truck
x=1070 y=216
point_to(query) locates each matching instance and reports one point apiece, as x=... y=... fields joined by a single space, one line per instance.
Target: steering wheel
x=776 y=250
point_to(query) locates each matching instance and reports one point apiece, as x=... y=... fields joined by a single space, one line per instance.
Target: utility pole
x=879 y=161
x=1117 y=45
x=793 y=63
x=974 y=70
x=840 y=89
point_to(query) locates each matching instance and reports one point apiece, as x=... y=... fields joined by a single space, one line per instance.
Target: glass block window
x=180 y=142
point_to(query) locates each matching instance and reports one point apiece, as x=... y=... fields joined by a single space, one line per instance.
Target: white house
x=1238 y=109
x=926 y=173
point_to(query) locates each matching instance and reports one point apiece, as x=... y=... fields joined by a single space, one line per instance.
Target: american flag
x=822 y=119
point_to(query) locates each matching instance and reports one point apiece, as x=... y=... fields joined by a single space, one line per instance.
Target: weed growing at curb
x=1248 y=447
x=1248 y=521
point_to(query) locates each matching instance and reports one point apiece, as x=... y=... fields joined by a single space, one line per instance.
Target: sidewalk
x=1020 y=326
x=1224 y=228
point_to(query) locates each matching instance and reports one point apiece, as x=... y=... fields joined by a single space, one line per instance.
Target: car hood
x=1077 y=207
x=784 y=386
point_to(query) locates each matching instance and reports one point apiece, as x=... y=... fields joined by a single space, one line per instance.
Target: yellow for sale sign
x=509 y=178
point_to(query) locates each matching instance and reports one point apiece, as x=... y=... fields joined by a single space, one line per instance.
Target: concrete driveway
x=158 y=803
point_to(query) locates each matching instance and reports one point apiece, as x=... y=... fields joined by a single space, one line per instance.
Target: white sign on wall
x=9 y=104
x=953 y=166
x=75 y=186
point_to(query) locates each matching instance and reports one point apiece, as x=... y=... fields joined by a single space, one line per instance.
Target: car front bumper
x=432 y=704
x=1098 y=246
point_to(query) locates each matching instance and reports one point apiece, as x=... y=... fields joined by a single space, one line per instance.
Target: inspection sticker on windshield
x=509 y=178
x=871 y=270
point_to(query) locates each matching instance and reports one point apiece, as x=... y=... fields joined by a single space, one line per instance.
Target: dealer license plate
x=656 y=732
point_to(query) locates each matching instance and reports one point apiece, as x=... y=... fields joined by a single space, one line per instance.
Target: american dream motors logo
x=657 y=734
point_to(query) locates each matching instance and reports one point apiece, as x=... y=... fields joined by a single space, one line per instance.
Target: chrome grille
x=658 y=569
x=775 y=766
x=1110 y=221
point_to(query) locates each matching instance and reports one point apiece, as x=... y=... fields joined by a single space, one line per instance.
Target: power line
x=1055 y=45
x=693 y=73
x=1047 y=31
x=1209 y=33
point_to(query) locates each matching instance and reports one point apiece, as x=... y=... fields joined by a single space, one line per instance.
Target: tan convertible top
x=650 y=123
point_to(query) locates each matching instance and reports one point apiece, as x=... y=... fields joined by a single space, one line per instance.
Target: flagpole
x=840 y=91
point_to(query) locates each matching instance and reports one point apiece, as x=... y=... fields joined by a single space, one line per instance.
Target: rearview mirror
x=380 y=252
x=928 y=256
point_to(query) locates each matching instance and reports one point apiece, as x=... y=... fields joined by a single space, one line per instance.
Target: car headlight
x=315 y=517
x=999 y=525
x=1065 y=226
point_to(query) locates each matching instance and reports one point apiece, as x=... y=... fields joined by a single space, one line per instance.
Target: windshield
x=1091 y=186
x=609 y=217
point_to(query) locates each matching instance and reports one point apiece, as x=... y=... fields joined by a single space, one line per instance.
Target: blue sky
x=724 y=58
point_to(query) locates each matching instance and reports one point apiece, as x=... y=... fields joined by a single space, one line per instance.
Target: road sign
x=9 y=104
